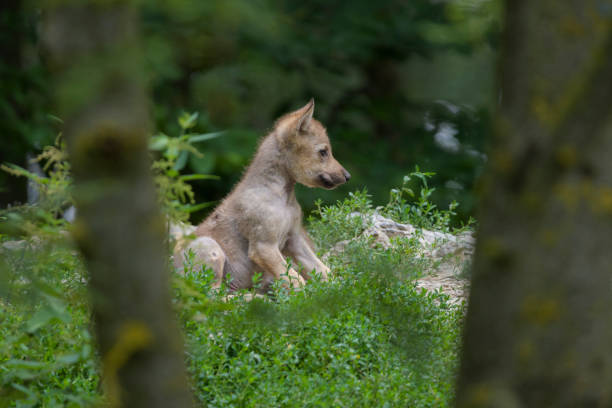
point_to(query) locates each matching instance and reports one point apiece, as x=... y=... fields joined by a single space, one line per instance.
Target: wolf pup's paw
x=293 y=280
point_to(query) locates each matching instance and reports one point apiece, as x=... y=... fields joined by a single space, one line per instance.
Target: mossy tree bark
x=539 y=324
x=93 y=50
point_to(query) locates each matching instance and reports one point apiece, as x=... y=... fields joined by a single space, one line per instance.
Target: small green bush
x=415 y=207
x=368 y=337
x=47 y=356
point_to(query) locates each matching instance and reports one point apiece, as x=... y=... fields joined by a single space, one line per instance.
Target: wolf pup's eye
x=323 y=152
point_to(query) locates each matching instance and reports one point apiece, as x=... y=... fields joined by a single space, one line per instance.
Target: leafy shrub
x=353 y=342
x=368 y=337
x=407 y=206
x=175 y=194
x=55 y=191
x=335 y=223
x=46 y=351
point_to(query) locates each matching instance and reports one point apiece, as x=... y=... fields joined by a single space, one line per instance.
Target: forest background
x=397 y=84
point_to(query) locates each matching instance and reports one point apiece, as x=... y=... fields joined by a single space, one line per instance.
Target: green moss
x=586 y=195
x=566 y=155
x=541 y=309
x=553 y=113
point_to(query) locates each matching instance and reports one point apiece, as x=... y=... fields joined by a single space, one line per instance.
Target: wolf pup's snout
x=333 y=180
x=347 y=175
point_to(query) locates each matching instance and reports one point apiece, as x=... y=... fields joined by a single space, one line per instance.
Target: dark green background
x=386 y=76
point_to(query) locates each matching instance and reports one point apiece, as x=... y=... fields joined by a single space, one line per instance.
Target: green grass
x=366 y=338
x=47 y=356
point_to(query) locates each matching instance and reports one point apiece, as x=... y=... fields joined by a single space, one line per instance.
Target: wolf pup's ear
x=306 y=115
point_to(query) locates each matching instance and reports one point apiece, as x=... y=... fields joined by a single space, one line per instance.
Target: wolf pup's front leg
x=299 y=247
x=268 y=257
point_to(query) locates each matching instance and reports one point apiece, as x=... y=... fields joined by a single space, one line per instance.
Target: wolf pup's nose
x=347 y=175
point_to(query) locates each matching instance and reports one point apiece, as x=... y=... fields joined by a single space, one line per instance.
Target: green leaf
x=54 y=118
x=23 y=369
x=58 y=307
x=204 y=136
x=54 y=309
x=25 y=364
x=158 y=142
x=26 y=391
x=197 y=207
x=39 y=319
x=187 y=121
x=172 y=152
x=189 y=177
x=69 y=358
x=16 y=170
x=181 y=161
x=86 y=351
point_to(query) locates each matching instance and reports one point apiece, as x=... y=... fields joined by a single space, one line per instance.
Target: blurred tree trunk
x=100 y=91
x=539 y=325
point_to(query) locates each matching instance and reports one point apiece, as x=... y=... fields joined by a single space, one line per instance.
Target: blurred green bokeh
x=397 y=83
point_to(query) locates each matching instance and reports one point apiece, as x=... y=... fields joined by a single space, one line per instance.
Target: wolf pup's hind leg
x=206 y=252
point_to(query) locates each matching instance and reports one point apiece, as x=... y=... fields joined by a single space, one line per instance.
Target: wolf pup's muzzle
x=333 y=180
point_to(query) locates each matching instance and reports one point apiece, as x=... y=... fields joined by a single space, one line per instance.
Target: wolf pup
x=259 y=224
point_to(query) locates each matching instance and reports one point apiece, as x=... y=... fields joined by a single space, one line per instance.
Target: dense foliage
x=368 y=337
x=396 y=83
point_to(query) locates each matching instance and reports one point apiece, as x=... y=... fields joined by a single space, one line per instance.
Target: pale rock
x=448 y=253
